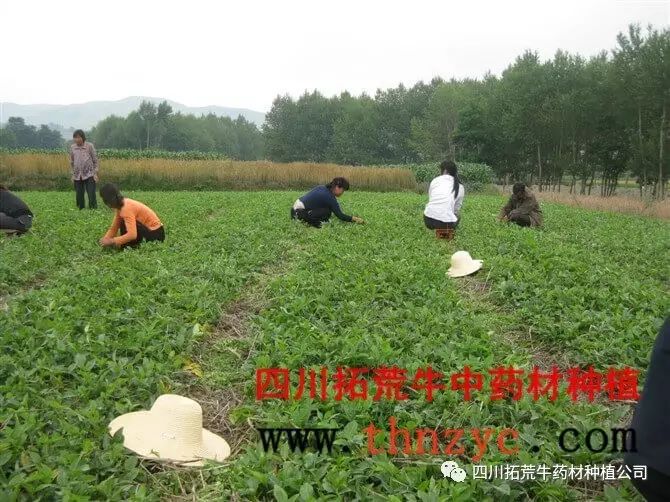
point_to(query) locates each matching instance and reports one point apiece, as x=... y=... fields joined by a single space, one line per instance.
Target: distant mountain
x=86 y=115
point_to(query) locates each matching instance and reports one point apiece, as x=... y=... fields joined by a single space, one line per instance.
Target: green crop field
x=88 y=334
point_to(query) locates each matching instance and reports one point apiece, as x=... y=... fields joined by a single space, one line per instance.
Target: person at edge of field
x=15 y=215
x=445 y=198
x=316 y=206
x=651 y=423
x=522 y=208
x=84 y=164
x=133 y=221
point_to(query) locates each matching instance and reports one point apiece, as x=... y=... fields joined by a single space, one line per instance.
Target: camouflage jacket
x=527 y=206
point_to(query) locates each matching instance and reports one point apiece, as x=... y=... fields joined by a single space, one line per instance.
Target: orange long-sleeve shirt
x=130 y=213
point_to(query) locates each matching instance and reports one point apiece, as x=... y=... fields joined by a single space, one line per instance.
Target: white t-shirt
x=442 y=205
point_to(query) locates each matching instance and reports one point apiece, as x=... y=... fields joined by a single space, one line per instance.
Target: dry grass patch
x=35 y=171
x=615 y=204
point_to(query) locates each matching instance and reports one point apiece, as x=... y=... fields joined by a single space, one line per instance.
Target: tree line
x=17 y=134
x=158 y=127
x=150 y=127
x=565 y=121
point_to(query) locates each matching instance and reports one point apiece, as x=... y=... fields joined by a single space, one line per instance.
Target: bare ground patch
x=234 y=324
x=35 y=282
x=233 y=330
x=475 y=285
x=616 y=204
x=234 y=334
x=478 y=290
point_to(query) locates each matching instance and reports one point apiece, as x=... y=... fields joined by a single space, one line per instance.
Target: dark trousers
x=143 y=233
x=88 y=186
x=523 y=220
x=656 y=488
x=434 y=224
x=313 y=217
x=21 y=223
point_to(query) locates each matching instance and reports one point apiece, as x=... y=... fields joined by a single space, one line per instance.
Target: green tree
x=163 y=114
x=49 y=138
x=147 y=112
x=642 y=76
x=7 y=138
x=434 y=133
x=524 y=86
x=355 y=133
x=17 y=134
x=26 y=135
x=280 y=130
x=249 y=139
x=394 y=118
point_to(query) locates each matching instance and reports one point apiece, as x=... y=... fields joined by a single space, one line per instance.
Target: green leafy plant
x=87 y=335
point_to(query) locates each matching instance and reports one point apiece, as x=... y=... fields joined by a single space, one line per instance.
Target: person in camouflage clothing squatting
x=522 y=208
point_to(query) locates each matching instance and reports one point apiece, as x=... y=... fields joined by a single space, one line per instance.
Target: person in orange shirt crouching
x=133 y=221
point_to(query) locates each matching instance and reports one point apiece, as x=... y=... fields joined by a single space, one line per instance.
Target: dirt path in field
x=514 y=331
x=234 y=338
x=517 y=335
x=231 y=341
x=234 y=335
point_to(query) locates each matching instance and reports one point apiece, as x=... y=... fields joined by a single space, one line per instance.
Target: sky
x=244 y=54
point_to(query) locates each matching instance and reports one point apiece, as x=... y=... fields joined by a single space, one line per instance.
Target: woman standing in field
x=445 y=198
x=84 y=164
x=133 y=220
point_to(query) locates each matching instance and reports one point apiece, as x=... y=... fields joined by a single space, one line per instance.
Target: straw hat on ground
x=462 y=264
x=172 y=432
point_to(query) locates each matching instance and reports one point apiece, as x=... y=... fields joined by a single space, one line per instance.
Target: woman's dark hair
x=449 y=167
x=518 y=188
x=338 y=182
x=79 y=133
x=111 y=196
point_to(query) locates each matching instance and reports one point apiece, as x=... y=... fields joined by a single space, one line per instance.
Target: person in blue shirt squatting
x=316 y=206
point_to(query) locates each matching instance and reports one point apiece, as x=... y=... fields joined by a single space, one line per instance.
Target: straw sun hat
x=462 y=264
x=172 y=432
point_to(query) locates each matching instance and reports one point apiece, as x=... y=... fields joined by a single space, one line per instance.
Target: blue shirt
x=321 y=197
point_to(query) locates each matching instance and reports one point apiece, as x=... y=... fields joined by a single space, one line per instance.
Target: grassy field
x=88 y=334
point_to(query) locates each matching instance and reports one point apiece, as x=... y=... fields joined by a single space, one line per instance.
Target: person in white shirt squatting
x=445 y=198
